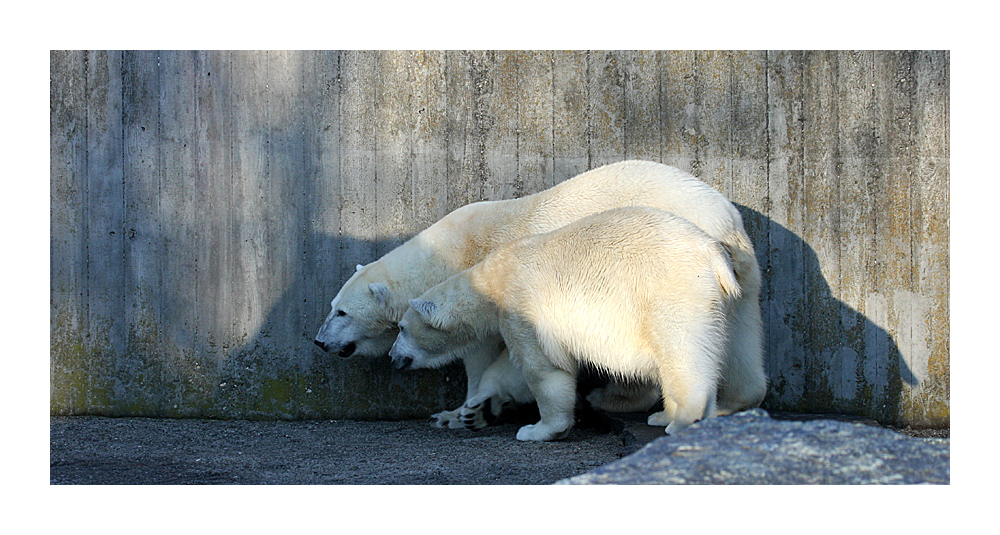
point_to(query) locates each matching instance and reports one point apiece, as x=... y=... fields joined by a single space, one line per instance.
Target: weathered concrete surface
x=206 y=206
x=751 y=448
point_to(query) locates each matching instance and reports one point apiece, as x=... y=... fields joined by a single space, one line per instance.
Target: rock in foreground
x=751 y=448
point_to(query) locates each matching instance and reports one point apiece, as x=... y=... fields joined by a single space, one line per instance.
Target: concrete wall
x=207 y=206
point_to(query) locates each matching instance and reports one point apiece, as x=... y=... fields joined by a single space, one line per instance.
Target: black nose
x=320 y=344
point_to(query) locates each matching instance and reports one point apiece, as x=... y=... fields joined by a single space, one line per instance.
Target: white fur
x=464 y=237
x=638 y=292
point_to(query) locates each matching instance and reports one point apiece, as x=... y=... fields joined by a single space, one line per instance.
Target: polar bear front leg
x=476 y=361
x=555 y=391
x=555 y=408
x=553 y=388
x=477 y=413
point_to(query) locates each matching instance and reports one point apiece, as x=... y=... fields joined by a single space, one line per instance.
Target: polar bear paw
x=540 y=432
x=476 y=416
x=673 y=428
x=658 y=419
x=448 y=419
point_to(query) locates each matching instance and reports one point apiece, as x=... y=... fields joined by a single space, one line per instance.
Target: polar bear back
x=610 y=287
x=635 y=183
x=465 y=236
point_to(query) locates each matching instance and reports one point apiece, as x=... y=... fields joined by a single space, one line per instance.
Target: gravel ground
x=141 y=451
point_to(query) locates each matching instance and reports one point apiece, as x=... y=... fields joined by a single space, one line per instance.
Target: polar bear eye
x=341 y=313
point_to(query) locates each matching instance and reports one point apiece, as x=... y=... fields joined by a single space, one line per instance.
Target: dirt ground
x=141 y=451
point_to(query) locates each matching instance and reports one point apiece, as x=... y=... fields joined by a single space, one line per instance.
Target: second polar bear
x=638 y=292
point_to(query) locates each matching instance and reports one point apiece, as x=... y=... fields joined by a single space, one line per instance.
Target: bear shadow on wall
x=821 y=355
x=280 y=373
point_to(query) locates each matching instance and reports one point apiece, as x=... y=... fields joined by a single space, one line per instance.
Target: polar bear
x=637 y=292
x=366 y=310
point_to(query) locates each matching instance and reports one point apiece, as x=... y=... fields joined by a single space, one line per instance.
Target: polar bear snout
x=399 y=360
x=344 y=352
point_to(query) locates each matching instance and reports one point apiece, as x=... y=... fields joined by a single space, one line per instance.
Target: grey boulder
x=751 y=448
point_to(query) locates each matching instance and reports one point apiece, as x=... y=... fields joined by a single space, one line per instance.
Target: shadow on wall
x=275 y=372
x=280 y=373
x=821 y=355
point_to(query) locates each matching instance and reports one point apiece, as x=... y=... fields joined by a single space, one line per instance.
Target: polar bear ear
x=358 y=267
x=424 y=307
x=427 y=309
x=380 y=291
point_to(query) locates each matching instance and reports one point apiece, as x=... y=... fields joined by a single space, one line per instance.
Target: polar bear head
x=427 y=337
x=441 y=325
x=362 y=320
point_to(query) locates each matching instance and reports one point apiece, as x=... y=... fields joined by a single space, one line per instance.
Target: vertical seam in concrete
x=661 y=139
x=125 y=281
x=340 y=179
x=159 y=188
x=767 y=141
x=624 y=71
x=197 y=172
x=232 y=187
x=697 y=94
x=374 y=135
x=552 y=178
x=447 y=128
x=518 y=124
x=589 y=112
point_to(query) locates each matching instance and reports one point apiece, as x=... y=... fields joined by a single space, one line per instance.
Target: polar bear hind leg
x=667 y=415
x=693 y=404
x=743 y=383
x=689 y=366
